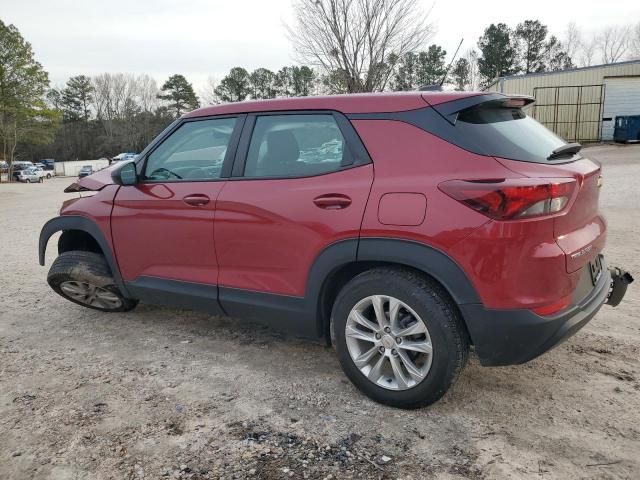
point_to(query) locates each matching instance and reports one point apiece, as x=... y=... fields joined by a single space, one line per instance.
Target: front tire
x=399 y=337
x=85 y=278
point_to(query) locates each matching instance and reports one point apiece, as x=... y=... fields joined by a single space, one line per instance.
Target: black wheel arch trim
x=77 y=222
x=419 y=256
x=425 y=258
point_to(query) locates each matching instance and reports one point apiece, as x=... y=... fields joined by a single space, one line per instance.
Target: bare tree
x=146 y=90
x=613 y=43
x=635 y=42
x=474 y=75
x=572 y=40
x=358 y=42
x=588 y=51
x=208 y=93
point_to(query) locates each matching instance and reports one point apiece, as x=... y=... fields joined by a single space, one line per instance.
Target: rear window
x=507 y=133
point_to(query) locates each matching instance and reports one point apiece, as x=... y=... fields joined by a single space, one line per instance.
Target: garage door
x=622 y=97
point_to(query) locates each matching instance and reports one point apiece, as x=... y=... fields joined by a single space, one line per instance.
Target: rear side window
x=295 y=146
x=507 y=133
x=195 y=151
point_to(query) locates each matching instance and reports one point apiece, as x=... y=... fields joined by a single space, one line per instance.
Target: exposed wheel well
x=341 y=276
x=78 y=240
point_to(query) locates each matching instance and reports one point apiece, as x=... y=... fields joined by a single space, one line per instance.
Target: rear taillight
x=554 y=307
x=512 y=198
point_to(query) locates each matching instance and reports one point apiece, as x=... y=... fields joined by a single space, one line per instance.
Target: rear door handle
x=196 y=200
x=332 y=201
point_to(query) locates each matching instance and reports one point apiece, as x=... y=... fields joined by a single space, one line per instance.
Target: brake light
x=512 y=198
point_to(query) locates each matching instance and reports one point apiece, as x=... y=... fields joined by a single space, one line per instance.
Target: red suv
x=403 y=228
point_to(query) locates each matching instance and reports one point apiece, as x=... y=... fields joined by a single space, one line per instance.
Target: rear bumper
x=510 y=337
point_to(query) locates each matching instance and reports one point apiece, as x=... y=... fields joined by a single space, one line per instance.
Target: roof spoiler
x=450 y=110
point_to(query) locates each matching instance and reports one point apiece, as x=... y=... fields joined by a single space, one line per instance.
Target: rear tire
x=410 y=378
x=41 y=180
x=85 y=278
x=28 y=180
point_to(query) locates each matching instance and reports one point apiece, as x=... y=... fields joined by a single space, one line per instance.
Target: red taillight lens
x=554 y=307
x=512 y=198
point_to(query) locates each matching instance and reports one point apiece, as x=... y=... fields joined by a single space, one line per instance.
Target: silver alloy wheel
x=88 y=294
x=388 y=342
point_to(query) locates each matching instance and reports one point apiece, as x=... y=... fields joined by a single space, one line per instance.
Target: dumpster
x=627 y=128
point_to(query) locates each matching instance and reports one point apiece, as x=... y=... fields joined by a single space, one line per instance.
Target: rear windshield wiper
x=566 y=150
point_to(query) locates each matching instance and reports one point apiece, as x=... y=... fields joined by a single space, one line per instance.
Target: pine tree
x=431 y=66
x=531 y=36
x=498 y=53
x=77 y=97
x=262 y=83
x=461 y=73
x=180 y=95
x=235 y=86
x=416 y=69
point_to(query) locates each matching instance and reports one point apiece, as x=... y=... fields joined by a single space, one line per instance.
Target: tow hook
x=620 y=279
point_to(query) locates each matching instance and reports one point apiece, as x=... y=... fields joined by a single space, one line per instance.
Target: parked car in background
x=480 y=226
x=18 y=166
x=4 y=166
x=85 y=171
x=123 y=157
x=31 y=175
x=42 y=172
x=48 y=163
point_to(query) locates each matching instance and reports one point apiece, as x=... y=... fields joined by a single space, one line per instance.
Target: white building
x=580 y=104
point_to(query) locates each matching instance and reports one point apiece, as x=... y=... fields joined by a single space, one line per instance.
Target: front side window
x=295 y=146
x=195 y=151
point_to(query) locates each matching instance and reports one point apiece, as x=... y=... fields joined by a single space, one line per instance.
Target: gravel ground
x=166 y=393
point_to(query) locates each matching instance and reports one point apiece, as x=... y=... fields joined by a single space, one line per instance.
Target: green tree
x=24 y=115
x=531 y=36
x=405 y=77
x=556 y=57
x=262 y=83
x=415 y=69
x=295 y=81
x=430 y=66
x=180 y=95
x=77 y=97
x=303 y=80
x=498 y=53
x=235 y=86
x=461 y=73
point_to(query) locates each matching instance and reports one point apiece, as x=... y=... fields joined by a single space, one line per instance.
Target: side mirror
x=125 y=174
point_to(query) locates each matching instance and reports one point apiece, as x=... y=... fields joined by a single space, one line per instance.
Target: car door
x=300 y=183
x=163 y=226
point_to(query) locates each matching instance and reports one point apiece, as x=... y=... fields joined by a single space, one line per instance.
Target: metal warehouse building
x=580 y=104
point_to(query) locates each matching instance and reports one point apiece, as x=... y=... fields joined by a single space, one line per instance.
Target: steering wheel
x=165 y=170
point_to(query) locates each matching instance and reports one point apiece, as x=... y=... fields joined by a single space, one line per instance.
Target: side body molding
x=78 y=222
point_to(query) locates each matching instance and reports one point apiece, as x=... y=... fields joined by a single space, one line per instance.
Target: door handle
x=332 y=201
x=196 y=200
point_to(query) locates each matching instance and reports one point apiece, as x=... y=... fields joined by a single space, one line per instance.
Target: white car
x=123 y=157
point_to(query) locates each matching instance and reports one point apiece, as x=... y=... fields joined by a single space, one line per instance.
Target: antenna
x=444 y=77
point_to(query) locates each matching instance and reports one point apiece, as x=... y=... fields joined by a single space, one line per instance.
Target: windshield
x=508 y=132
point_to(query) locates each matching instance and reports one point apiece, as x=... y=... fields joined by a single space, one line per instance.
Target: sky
x=205 y=38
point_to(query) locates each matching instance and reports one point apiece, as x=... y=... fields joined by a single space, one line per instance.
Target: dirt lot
x=164 y=393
